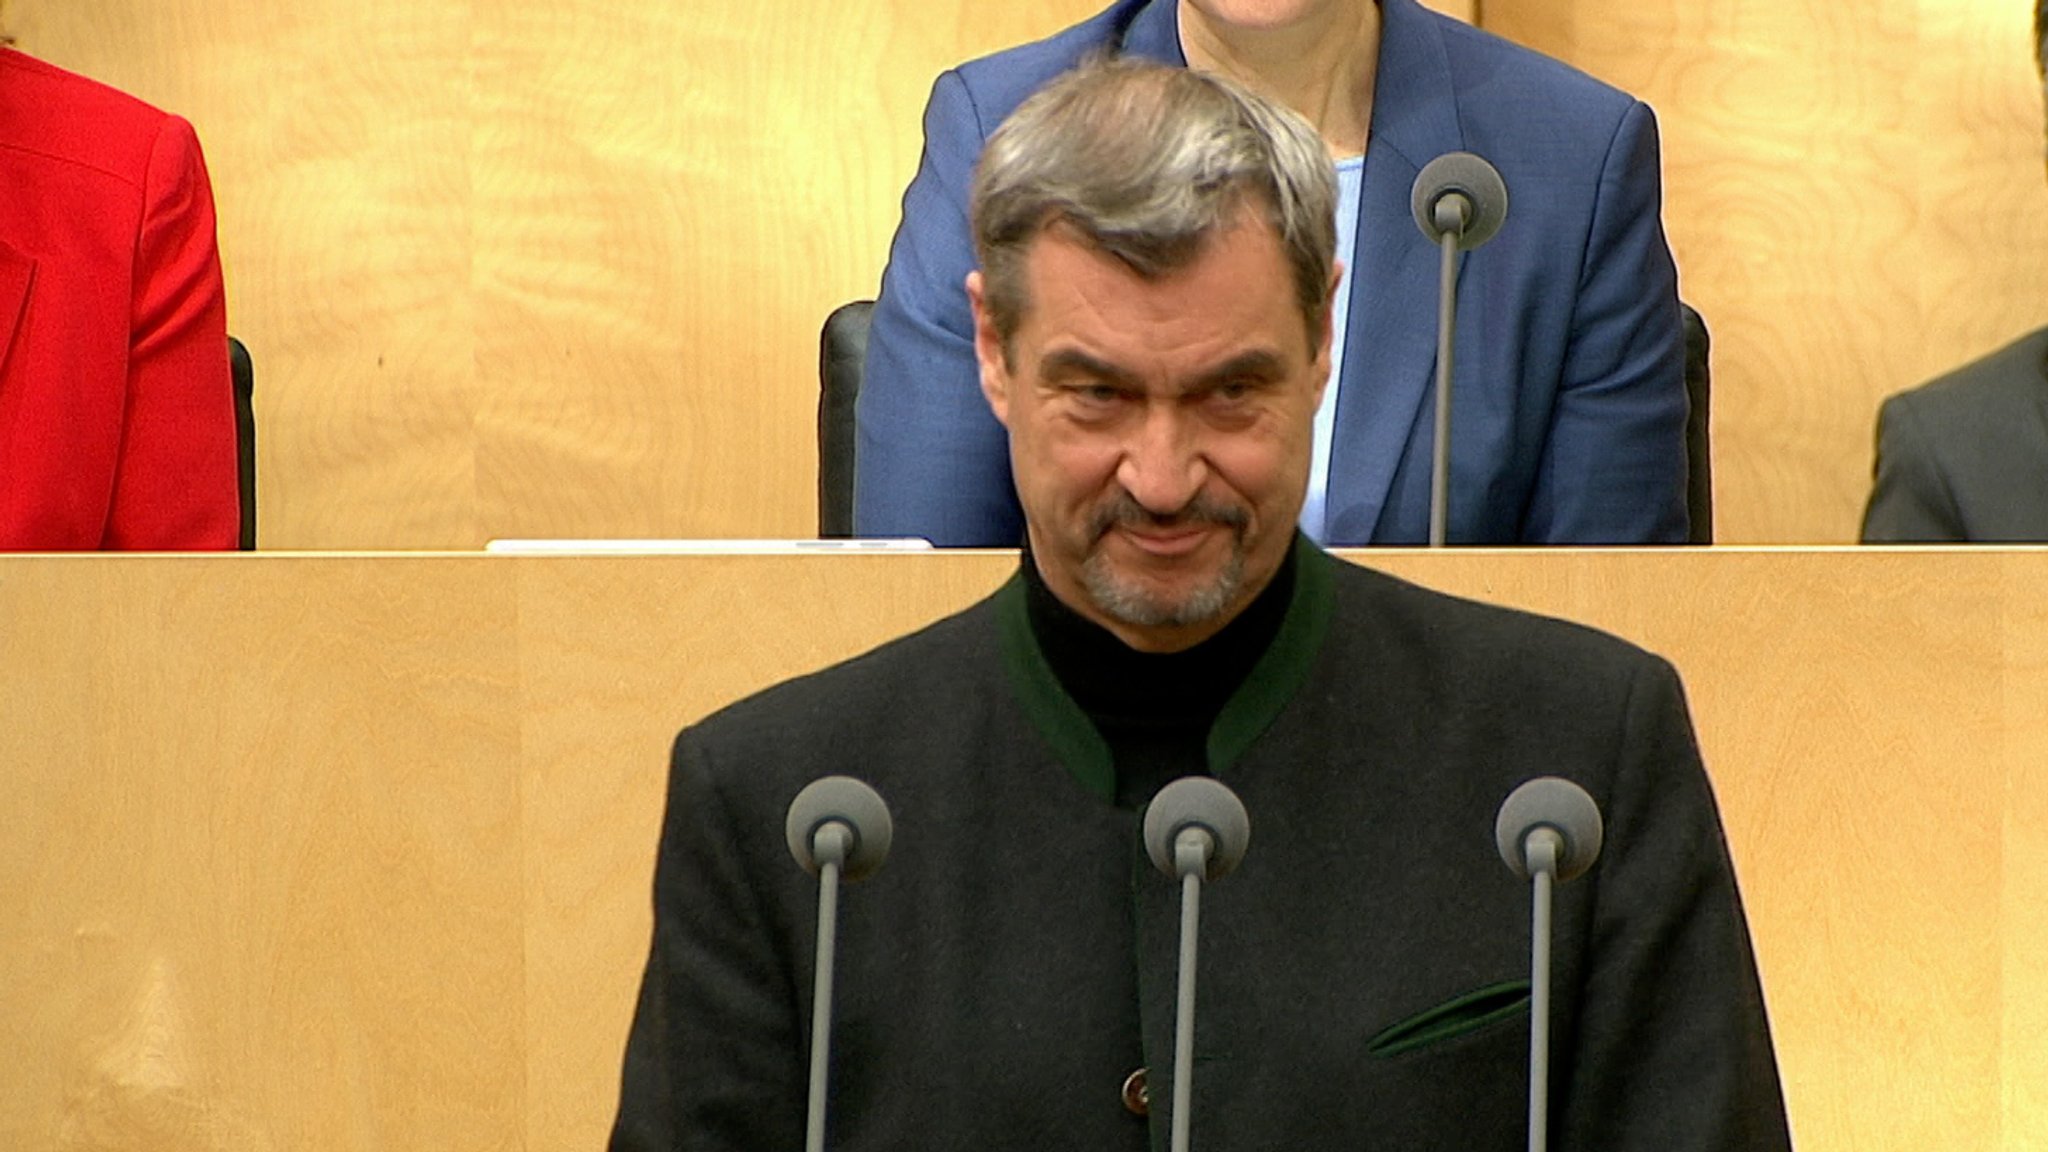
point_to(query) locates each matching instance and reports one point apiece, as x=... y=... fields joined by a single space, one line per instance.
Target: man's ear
x=1325 y=337
x=988 y=352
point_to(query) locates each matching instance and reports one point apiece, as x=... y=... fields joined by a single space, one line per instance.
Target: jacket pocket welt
x=1467 y=1012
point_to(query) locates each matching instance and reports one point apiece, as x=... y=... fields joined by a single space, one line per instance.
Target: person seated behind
x=117 y=421
x=1964 y=458
x=1152 y=326
x=1569 y=403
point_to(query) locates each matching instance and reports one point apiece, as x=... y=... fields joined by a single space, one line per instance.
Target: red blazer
x=117 y=423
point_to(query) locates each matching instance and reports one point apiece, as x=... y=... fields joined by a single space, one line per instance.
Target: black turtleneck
x=1154 y=709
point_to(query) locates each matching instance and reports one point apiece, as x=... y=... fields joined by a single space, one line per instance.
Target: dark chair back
x=243 y=370
x=843 y=346
x=1699 y=456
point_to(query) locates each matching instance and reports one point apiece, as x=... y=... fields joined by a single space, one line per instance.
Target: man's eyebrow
x=1074 y=362
x=1259 y=364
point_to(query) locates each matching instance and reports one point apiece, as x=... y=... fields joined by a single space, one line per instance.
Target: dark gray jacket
x=1964 y=459
x=1363 y=973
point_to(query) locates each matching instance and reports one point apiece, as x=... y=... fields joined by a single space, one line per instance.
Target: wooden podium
x=353 y=852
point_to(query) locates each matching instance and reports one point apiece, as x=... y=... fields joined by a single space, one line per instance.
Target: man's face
x=1160 y=430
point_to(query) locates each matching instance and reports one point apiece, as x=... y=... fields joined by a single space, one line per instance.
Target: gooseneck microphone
x=1195 y=831
x=1548 y=831
x=837 y=826
x=1459 y=202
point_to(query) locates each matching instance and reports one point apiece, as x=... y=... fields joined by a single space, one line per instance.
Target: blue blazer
x=1568 y=406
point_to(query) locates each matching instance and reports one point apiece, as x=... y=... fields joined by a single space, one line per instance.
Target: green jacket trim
x=1281 y=672
x=1273 y=681
x=1061 y=721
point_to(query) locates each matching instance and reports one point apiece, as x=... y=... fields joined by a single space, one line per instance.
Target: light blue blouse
x=1350 y=176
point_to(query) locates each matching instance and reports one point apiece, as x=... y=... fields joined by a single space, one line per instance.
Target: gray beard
x=1129 y=604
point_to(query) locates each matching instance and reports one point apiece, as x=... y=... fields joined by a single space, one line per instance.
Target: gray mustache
x=1127 y=512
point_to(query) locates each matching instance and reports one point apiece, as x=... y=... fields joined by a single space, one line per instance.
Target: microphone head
x=1559 y=805
x=841 y=800
x=1460 y=173
x=1197 y=802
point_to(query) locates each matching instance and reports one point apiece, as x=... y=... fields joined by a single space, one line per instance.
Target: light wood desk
x=352 y=852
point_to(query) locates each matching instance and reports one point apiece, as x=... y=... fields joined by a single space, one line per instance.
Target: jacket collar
x=1273 y=681
x=1389 y=352
x=1154 y=33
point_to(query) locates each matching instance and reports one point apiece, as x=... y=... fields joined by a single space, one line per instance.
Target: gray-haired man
x=1153 y=330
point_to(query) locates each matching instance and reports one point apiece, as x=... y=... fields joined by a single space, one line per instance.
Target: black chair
x=1699 y=456
x=243 y=371
x=844 y=345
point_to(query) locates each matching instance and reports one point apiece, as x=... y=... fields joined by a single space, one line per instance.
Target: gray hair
x=1148 y=162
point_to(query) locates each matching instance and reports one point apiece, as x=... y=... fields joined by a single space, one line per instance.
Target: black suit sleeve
x=1910 y=500
x=1672 y=1049
x=714 y=1061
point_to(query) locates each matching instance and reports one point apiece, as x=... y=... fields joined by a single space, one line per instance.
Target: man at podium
x=1153 y=330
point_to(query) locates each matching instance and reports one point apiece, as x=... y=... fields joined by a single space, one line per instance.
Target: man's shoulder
x=1474 y=641
x=1994 y=394
x=1964 y=457
x=899 y=682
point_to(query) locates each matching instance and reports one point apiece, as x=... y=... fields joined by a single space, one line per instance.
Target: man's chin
x=1150 y=602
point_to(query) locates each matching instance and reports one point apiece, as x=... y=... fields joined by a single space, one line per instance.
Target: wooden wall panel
x=517 y=271
x=2023 y=1043
x=541 y=270
x=338 y=136
x=1821 y=738
x=511 y=270
x=596 y=740
x=353 y=853
x=260 y=830
x=1855 y=195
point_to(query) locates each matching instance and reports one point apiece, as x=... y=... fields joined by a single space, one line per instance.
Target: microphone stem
x=1184 y=1012
x=821 y=1001
x=1446 y=323
x=1539 y=1014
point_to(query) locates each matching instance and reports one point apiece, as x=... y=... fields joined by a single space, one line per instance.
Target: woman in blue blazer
x=1569 y=404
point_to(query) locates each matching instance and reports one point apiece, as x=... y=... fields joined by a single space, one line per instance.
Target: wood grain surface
x=558 y=271
x=1856 y=198
x=354 y=852
x=540 y=270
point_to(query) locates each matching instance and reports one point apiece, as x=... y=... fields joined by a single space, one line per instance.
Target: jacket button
x=1137 y=1101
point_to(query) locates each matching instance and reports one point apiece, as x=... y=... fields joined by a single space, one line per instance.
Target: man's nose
x=1162 y=467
